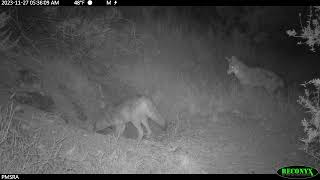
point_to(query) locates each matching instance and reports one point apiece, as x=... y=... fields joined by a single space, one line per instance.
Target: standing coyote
x=254 y=77
x=136 y=110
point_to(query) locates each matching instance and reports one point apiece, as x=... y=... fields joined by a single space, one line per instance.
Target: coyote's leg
x=137 y=124
x=144 y=121
x=120 y=129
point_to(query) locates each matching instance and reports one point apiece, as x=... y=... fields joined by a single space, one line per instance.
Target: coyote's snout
x=136 y=110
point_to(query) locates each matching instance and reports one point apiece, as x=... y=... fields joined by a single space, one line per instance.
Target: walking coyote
x=254 y=77
x=136 y=110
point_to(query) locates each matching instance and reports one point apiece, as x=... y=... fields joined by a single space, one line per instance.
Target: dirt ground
x=221 y=143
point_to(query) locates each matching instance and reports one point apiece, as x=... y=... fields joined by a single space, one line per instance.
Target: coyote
x=136 y=110
x=254 y=77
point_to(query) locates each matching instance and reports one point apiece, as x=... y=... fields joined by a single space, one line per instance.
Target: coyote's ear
x=228 y=59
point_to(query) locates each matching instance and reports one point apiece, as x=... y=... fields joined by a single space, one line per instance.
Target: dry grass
x=20 y=148
x=30 y=150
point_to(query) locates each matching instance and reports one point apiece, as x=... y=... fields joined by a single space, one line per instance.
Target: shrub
x=311 y=101
x=311 y=32
x=6 y=42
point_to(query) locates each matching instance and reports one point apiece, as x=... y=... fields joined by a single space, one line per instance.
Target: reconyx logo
x=297 y=172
